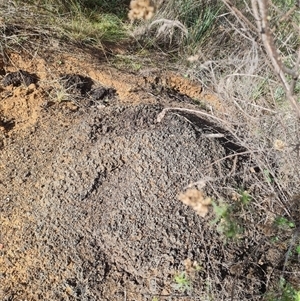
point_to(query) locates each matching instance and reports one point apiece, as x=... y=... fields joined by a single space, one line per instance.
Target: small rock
x=31 y=88
x=71 y=106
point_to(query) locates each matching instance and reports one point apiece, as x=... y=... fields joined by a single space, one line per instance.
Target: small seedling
x=61 y=96
x=182 y=283
x=279 y=94
x=227 y=226
x=261 y=89
x=245 y=197
x=288 y=291
x=284 y=223
x=275 y=239
x=298 y=249
x=220 y=210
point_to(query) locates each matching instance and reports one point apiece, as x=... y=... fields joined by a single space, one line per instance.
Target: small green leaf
x=245 y=198
x=268 y=176
x=283 y=222
x=182 y=283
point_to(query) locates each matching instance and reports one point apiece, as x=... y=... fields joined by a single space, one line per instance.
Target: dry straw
x=141 y=9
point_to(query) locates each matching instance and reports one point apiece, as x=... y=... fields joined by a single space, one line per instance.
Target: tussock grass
x=117 y=7
x=84 y=21
x=179 y=25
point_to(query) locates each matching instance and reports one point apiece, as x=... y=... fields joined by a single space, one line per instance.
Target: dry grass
x=255 y=116
x=56 y=21
x=177 y=25
x=258 y=115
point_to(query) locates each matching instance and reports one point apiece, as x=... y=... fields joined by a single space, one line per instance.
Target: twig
x=230 y=156
x=260 y=10
x=162 y=114
x=239 y=15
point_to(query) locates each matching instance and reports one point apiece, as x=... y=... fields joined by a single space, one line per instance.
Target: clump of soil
x=18 y=78
x=76 y=84
x=101 y=93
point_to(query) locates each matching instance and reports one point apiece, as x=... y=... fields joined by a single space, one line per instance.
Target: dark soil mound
x=95 y=209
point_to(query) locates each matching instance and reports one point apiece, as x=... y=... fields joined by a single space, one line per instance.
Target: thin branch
x=230 y=156
x=162 y=114
x=260 y=10
x=239 y=15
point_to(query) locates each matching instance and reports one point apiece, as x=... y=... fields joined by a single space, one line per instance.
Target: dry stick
x=230 y=156
x=296 y=71
x=260 y=10
x=285 y=15
x=267 y=38
x=162 y=114
x=239 y=15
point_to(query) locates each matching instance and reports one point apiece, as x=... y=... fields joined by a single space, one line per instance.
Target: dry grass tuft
x=279 y=145
x=195 y=199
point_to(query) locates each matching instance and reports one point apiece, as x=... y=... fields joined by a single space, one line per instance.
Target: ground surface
x=89 y=183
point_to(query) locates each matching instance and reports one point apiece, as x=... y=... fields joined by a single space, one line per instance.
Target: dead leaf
x=195 y=199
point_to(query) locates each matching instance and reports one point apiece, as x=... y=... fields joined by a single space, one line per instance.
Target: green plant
x=220 y=210
x=268 y=176
x=182 y=282
x=284 y=223
x=227 y=223
x=260 y=89
x=245 y=197
x=275 y=239
x=199 y=26
x=287 y=292
x=95 y=29
x=82 y=21
x=117 y=7
x=226 y=215
x=279 y=94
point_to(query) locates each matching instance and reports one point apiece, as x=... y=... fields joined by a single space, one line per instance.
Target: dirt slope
x=89 y=185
